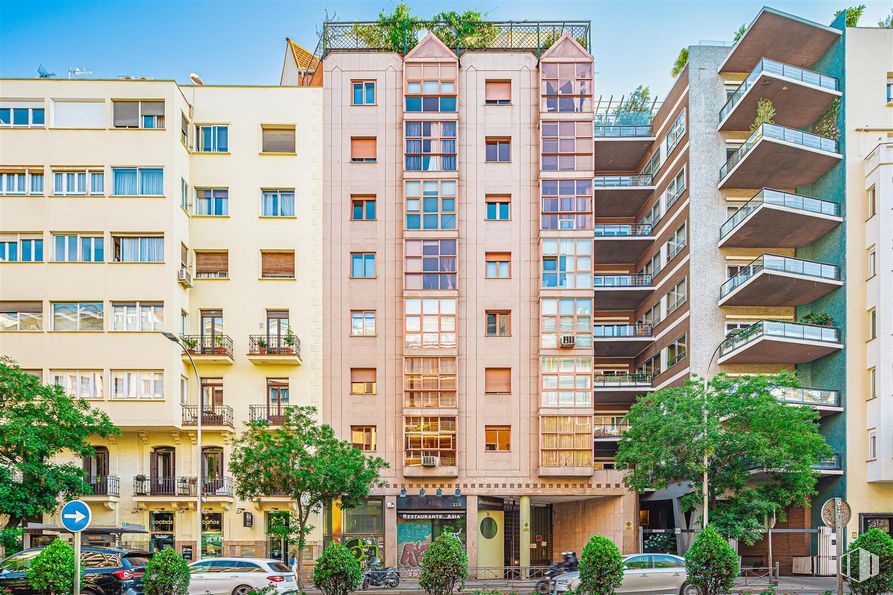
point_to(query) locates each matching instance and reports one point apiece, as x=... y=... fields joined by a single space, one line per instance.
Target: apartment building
x=129 y=208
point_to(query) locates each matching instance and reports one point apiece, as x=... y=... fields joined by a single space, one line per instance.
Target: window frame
x=153 y=309
x=366 y=159
x=505 y=378
x=364 y=200
x=580 y=321
x=437 y=138
x=430 y=382
x=212 y=199
x=581 y=200
x=446 y=219
x=134 y=378
x=214 y=147
x=365 y=92
x=363 y=388
x=362 y=315
x=81 y=314
x=553 y=92
x=446 y=315
x=492 y=435
x=502 y=265
x=499 y=200
x=159 y=120
x=366 y=257
x=95 y=382
x=488 y=83
x=370 y=442
x=31 y=108
x=501 y=144
x=581 y=388
x=416 y=264
x=502 y=320
x=278 y=194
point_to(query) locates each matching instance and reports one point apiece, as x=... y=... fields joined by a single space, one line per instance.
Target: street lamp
x=704 y=488
x=197 y=554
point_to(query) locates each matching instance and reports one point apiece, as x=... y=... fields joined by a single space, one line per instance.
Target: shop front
x=212 y=534
x=359 y=529
x=421 y=520
x=876 y=520
x=161 y=530
x=277 y=543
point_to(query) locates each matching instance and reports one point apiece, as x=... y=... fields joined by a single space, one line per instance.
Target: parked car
x=107 y=571
x=642 y=573
x=237 y=576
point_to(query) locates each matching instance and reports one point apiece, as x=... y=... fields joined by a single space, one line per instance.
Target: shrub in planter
x=52 y=571
x=711 y=563
x=880 y=544
x=601 y=567
x=337 y=571
x=167 y=574
x=445 y=566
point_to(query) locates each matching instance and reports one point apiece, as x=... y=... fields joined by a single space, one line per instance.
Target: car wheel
x=688 y=589
x=242 y=590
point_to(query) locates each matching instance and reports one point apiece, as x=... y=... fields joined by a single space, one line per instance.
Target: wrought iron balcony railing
x=179 y=486
x=273 y=414
x=103 y=485
x=216 y=415
x=265 y=344
x=217 y=486
x=208 y=344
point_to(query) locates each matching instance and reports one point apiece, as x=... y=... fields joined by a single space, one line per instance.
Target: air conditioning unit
x=429 y=461
x=568 y=341
x=184 y=277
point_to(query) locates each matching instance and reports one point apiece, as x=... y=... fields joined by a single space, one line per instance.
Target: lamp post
x=704 y=487
x=197 y=554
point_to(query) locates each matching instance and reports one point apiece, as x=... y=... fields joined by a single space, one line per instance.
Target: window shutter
x=498 y=380
x=127 y=114
x=212 y=263
x=362 y=374
x=22 y=307
x=498 y=91
x=278 y=264
x=153 y=108
x=279 y=140
x=499 y=256
x=362 y=148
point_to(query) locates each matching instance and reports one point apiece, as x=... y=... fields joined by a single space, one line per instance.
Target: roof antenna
x=44 y=73
x=76 y=72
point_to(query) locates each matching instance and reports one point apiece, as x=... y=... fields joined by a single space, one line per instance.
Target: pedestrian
x=293 y=562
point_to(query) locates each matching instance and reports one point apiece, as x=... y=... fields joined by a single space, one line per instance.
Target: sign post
x=76 y=517
x=836 y=513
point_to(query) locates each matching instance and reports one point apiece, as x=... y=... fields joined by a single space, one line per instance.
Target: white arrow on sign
x=78 y=516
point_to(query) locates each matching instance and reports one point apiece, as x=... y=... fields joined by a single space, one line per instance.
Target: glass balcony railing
x=773 y=131
x=780 y=199
x=621 y=331
x=640 y=280
x=781 y=69
x=781 y=330
x=608 y=430
x=605 y=381
x=784 y=264
x=623 y=181
x=630 y=230
x=816 y=397
x=834 y=463
x=623 y=124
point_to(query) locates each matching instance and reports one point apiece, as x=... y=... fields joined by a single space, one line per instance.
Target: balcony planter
x=261 y=346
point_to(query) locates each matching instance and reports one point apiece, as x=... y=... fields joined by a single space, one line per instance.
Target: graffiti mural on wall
x=363 y=549
x=413 y=540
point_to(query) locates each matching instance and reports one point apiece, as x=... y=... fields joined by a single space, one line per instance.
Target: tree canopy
x=681 y=61
x=853 y=14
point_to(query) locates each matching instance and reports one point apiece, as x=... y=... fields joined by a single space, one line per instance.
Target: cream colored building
x=130 y=207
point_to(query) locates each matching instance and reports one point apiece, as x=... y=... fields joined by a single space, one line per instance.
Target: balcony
x=274 y=415
x=622 y=243
x=778 y=342
x=218 y=488
x=780 y=157
x=826 y=402
x=779 y=219
x=213 y=417
x=773 y=280
x=165 y=487
x=621 y=140
x=621 y=292
x=102 y=488
x=830 y=467
x=621 y=196
x=608 y=432
x=209 y=349
x=799 y=96
x=274 y=351
x=621 y=388
x=621 y=340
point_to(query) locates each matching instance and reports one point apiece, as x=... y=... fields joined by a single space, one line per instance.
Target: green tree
x=826 y=125
x=337 y=571
x=765 y=113
x=886 y=22
x=879 y=543
x=167 y=574
x=52 y=571
x=38 y=422
x=739 y=33
x=747 y=429
x=681 y=61
x=397 y=31
x=548 y=39
x=304 y=460
x=601 y=567
x=711 y=564
x=465 y=30
x=853 y=14
x=444 y=566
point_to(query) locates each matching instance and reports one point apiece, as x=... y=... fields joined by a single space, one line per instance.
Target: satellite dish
x=196 y=79
x=44 y=73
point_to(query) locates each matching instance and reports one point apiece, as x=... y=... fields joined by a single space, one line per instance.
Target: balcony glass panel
x=784 y=264
x=773 y=131
x=781 y=199
x=623 y=124
x=623 y=230
x=816 y=397
x=621 y=280
x=782 y=330
x=621 y=330
x=622 y=380
x=622 y=181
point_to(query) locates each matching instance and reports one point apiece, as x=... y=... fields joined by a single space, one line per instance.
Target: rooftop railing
x=782 y=330
x=783 y=264
x=773 y=131
x=622 y=181
x=623 y=124
x=780 y=199
x=640 y=280
x=624 y=230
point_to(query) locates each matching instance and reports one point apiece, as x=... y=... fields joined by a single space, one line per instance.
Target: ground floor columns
x=471 y=530
x=524 y=524
x=390 y=528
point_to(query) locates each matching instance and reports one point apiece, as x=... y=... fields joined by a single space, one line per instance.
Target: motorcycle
x=543 y=585
x=379 y=576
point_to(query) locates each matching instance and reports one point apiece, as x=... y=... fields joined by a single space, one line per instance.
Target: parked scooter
x=569 y=563
x=376 y=575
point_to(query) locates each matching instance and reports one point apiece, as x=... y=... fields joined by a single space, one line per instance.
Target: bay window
x=429 y=437
x=566 y=204
x=430 y=264
x=567 y=263
x=566 y=381
x=429 y=382
x=567 y=86
x=566 y=440
x=567 y=146
x=430 y=204
x=430 y=323
x=566 y=316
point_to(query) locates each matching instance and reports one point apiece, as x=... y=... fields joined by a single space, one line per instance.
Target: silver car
x=239 y=576
x=642 y=573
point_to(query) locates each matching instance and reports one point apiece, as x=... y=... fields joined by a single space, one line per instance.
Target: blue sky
x=242 y=42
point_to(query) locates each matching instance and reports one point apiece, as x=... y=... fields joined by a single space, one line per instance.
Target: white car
x=237 y=576
x=642 y=573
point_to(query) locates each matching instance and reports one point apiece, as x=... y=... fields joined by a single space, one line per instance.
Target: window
x=184 y=130
x=430 y=323
x=431 y=95
x=84 y=384
x=21 y=182
x=872 y=383
x=212 y=265
x=567 y=381
x=675 y=189
x=362 y=207
x=567 y=86
x=362 y=265
x=77 y=316
x=872 y=324
x=872 y=263
x=430 y=204
x=872 y=202
x=653 y=265
x=138 y=114
x=363 y=150
x=498 y=92
x=212 y=202
x=363 y=437
x=277 y=264
x=499 y=207
x=566 y=440
x=362 y=381
x=79 y=182
x=654 y=162
x=20 y=115
x=430 y=146
x=567 y=263
x=184 y=195
x=498 y=438
x=498 y=150
x=499 y=265
x=211 y=139
x=74 y=248
x=651 y=366
x=362 y=323
x=21 y=316
x=872 y=445
x=278 y=139
x=567 y=204
x=137 y=316
x=137 y=384
x=78 y=114
x=363 y=93
x=889 y=92
x=652 y=315
x=676 y=351
x=21 y=248
x=429 y=382
x=499 y=323
x=430 y=264
x=566 y=317
x=676 y=242
x=567 y=146
x=278 y=203
x=138 y=248
x=137 y=181
x=674 y=134
x=676 y=297
x=498 y=381
x=429 y=437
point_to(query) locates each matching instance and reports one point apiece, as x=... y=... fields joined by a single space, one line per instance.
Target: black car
x=107 y=571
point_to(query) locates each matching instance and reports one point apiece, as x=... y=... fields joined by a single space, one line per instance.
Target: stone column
x=524 y=543
x=390 y=531
x=471 y=530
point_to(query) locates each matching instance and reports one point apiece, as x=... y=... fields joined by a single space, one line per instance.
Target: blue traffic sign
x=76 y=516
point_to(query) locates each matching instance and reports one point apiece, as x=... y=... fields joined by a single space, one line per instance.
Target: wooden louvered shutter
x=212 y=264
x=498 y=380
x=278 y=265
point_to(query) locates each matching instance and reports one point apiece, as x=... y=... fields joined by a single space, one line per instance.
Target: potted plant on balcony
x=290 y=340
x=189 y=342
x=817 y=319
x=219 y=349
x=261 y=345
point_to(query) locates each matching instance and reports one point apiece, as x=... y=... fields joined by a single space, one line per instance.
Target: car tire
x=688 y=589
x=242 y=590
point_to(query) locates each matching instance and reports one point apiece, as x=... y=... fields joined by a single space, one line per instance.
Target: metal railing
x=776 y=132
x=780 y=329
x=833 y=463
x=218 y=486
x=780 y=199
x=637 y=280
x=782 y=264
x=623 y=230
x=816 y=397
x=781 y=69
x=608 y=430
x=262 y=344
x=631 y=181
x=208 y=344
x=622 y=131
x=622 y=330
x=622 y=381
x=274 y=414
x=103 y=485
x=213 y=415
x=184 y=486
x=619 y=116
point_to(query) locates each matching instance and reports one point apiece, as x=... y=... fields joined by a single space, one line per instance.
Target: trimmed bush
x=337 y=571
x=167 y=574
x=445 y=566
x=52 y=571
x=601 y=567
x=880 y=544
x=711 y=563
